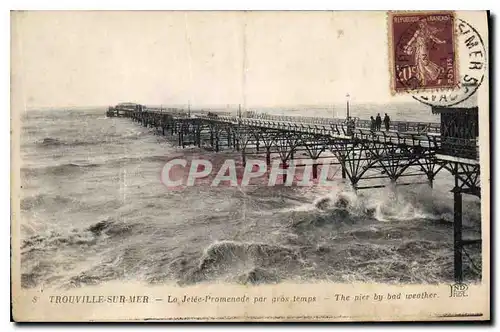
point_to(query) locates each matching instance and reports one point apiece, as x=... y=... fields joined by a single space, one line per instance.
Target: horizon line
x=224 y=106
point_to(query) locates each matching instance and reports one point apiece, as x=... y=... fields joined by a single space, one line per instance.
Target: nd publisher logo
x=458 y=290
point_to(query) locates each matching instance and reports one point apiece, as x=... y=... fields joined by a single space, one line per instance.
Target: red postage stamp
x=422 y=51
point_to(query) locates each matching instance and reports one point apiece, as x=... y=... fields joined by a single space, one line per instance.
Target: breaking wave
x=386 y=205
x=61 y=170
x=48 y=200
x=138 y=159
x=54 y=142
x=244 y=262
x=119 y=138
x=107 y=228
x=72 y=167
x=84 y=242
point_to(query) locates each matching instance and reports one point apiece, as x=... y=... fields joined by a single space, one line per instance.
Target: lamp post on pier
x=349 y=131
x=347 y=97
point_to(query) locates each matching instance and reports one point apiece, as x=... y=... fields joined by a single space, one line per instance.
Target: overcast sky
x=206 y=58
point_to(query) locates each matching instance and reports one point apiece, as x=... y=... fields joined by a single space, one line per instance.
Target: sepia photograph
x=290 y=160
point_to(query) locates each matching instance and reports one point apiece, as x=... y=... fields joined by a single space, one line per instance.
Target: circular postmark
x=472 y=67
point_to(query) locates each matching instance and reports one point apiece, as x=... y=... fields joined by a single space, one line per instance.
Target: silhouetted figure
x=387 y=122
x=350 y=125
x=378 y=122
x=373 y=125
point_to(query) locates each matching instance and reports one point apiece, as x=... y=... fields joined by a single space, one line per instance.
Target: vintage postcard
x=250 y=166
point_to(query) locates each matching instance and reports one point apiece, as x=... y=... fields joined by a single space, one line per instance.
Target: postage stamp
x=422 y=51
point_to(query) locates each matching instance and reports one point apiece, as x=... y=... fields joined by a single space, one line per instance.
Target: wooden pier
x=407 y=150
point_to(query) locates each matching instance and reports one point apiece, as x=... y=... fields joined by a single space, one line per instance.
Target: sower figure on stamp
x=419 y=47
x=387 y=122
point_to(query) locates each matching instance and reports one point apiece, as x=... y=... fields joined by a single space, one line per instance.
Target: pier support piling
x=217 y=141
x=315 y=170
x=430 y=179
x=229 y=138
x=284 y=166
x=179 y=134
x=457 y=234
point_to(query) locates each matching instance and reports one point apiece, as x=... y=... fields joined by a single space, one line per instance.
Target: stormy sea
x=93 y=210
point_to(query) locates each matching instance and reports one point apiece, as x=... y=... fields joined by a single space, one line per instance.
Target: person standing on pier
x=378 y=122
x=387 y=122
x=373 y=125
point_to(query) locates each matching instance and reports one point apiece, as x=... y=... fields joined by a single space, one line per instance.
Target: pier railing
x=400 y=126
x=400 y=132
x=425 y=134
x=340 y=130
